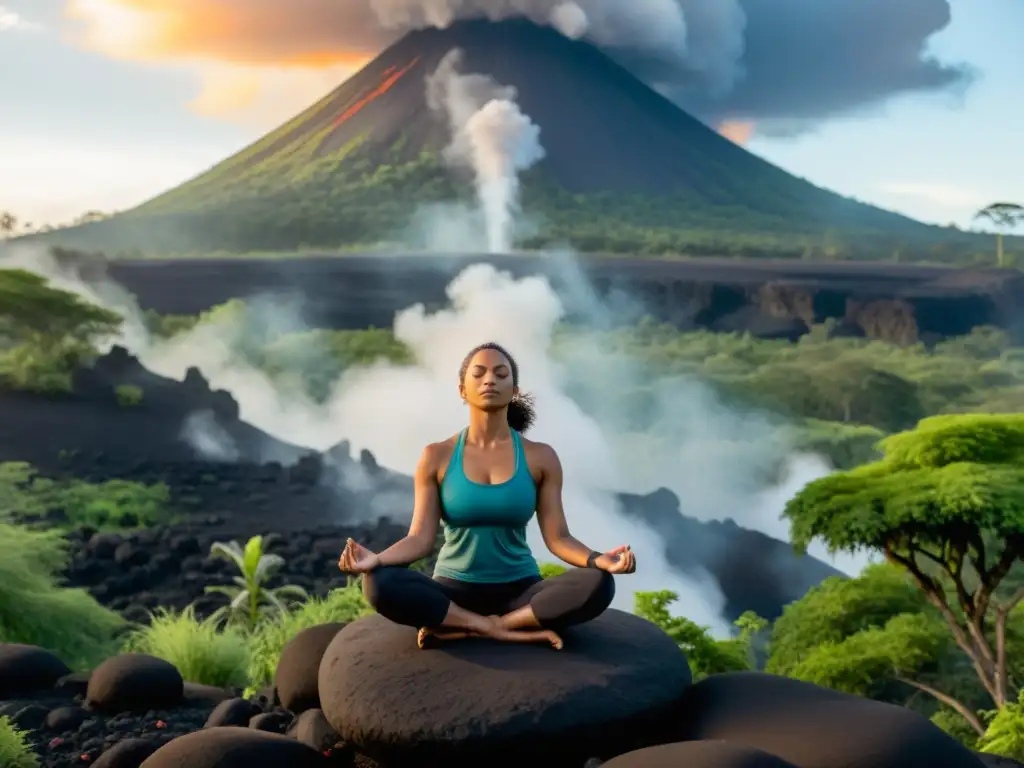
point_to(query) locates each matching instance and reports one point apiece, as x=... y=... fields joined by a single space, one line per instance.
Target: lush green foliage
x=706 y=655
x=201 y=650
x=252 y=598
x=945 y=504
x=36 y=610
x=1005 y=733
x=14 y=747
x=269 y=638
x=46 y=332
x=115 y=504
x=548 y=570
x=128 y=395
x=351 y=198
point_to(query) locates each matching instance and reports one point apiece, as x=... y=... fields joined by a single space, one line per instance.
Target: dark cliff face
x=902 y=304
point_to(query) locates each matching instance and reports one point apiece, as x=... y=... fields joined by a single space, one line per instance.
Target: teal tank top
x=485 y=525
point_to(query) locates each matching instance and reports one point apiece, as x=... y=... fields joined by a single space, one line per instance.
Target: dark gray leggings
x=416 y=600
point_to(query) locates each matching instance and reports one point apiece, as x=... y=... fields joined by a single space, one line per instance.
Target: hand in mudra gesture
x=620 y=560
x=356 y=559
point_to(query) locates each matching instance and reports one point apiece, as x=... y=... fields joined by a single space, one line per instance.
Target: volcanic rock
x=615 y=686
x=27 y=668
x=234 y=748
x=237 y=712
x=130 y=753
x=698 y=754
x=134 y=682
x=814 y=727
x=299 y=667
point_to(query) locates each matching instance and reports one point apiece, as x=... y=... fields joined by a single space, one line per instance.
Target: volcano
x=619 y=157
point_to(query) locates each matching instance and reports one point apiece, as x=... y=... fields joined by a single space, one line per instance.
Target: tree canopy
x=946 y=504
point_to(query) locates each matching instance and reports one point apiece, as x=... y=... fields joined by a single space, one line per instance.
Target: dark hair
x=521 y=413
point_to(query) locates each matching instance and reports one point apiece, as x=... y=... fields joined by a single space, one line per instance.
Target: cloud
x=937 y=193
x=784 y=64
x=13 y=22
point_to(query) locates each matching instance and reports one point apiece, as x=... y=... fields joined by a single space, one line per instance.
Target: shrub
x=1005 y=733
x=128 y=395
x=201 y=651
x=252 y=600
x=113 y=504
x=35 y=610
x=14 y=748
x=340 y=605
x=548 y=570
x=705 y=654
x=956 y=726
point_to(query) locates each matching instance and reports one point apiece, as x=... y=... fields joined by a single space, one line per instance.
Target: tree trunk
x=1000 y=255
x=949 y=701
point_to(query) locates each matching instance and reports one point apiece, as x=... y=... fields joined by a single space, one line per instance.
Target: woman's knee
x=380 y=585
x=601 y=591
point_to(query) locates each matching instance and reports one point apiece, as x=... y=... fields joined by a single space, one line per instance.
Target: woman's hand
x=620 y=560
x=356 y=558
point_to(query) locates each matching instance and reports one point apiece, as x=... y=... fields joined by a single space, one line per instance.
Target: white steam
x=490 y=136
x=705 y=37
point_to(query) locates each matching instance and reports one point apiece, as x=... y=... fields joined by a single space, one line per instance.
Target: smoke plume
x=490 y=136
x=784 y=64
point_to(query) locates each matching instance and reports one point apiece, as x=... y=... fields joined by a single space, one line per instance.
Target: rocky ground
x=170 y=566
x=459 y=707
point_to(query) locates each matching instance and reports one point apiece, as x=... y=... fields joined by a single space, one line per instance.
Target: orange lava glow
x=390 y=78
x=737 y=131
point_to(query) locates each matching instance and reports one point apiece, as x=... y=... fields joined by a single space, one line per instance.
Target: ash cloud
x=785 y=64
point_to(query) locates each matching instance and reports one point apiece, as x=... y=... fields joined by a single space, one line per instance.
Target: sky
x=105 y=103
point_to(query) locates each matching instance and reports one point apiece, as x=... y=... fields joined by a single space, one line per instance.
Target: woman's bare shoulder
x=437 y=455
x=541 y=453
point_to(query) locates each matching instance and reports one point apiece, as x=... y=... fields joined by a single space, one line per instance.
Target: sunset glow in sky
x=114 y=101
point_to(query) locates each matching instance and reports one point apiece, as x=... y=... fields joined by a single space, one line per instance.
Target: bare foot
x=498 y=631
x=426 y=637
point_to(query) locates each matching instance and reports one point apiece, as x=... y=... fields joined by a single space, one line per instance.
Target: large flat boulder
x=815 y=727
x=698 y=754
x=614 y=687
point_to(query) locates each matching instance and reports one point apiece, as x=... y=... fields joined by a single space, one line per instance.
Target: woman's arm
x=551 y=516
x=426 y=515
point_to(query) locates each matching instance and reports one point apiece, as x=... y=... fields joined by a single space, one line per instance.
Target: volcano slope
x=625 y=169
x=266 y=486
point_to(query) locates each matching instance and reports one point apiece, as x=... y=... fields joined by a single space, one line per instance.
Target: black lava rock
x=134 y=682
x=299 y=667
x=813 y=726
x=614 y=687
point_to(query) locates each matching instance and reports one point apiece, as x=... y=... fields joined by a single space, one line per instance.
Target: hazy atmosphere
x=117 y=100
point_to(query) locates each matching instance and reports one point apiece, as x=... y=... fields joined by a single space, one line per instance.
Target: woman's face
x=488 y=381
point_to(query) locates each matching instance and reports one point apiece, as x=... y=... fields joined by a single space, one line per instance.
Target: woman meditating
x=484 y=485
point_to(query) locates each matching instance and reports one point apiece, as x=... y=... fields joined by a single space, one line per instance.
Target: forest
x=297 y=202
x=928 y=443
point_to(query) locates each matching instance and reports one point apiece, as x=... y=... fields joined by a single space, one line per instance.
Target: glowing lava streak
x=380 y=90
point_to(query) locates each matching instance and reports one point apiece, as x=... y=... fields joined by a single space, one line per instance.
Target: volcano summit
x=622 y=168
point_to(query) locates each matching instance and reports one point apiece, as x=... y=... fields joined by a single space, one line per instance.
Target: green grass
x=111 y=505
x=36 y=610
x=270 y=637
x=14 y=747
x=199 y=649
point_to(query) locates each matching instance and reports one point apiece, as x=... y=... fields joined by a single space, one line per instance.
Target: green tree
x=8 y=223
x=1003 y=216
x=45 y=332
x=838 y=609
x=32 y=309
x=946 y=504
x=706 y=655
